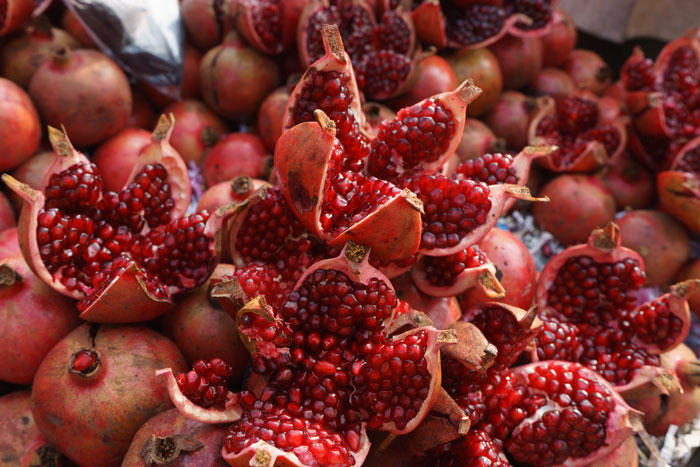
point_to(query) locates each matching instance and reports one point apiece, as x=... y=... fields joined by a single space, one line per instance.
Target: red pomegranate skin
x=236 y=154
x=558 y=43
x=577 y=205
x=435 y=76
x=631 y=184
x=270 y=116
x=19 y=435
x=482 y=66
x=589 y=71
x=552 y=82
x=72 y=24
x=9 y=243
x=197 y=129
x=519 y=58
x=515 y=268
x=692 y=271
x=85 y=91
x=34 y=319
x=142 y=113
x=117 y=156
x=660 y=240
x=235 y=78
x=32 y=173
x=509 y=118
x=171 y=423
x=202 y=330
x=92 y=419
x=477 y=140
x=20 y=129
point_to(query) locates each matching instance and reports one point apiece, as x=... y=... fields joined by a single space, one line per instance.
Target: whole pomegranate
x=519 y=58
x=510 y=116
x=552 y=82
x=560 y=40
x=97 y=386
x=22 y=55
x=692 y=271
x=270 y=116
x=482 y=66
x=20 y=130
x=571 y=195
x=116 y=157
x=631 y=184
x=172 y=439
x=589 y=71
x=34 y=319
x=84 y=91
x=72 y=24
x=515 y=270
x=197 y=129
x=660 y=240
x=234 y=155
x=477 y=140
x=235 y=79
x=434 y=76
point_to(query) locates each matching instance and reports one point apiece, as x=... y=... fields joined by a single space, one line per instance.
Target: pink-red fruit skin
x=519 y=58
x=692 y=271
x=19 y=126
x=196 y=130
x=578 y=204
x=34 y=319
x=270 y=117
x=660 y=240
x=631 y=184
x=588 y=71
x=116 y=157
x=172 y=429
x=84 y=91
x=552 y=82
x=235 y=155
x=480 y=65
x=435 y=76
x=92 y=416
x=509 y=118
x=558 y=43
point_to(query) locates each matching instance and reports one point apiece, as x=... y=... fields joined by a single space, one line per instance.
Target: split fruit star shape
x=121 y=254
x=338 y=357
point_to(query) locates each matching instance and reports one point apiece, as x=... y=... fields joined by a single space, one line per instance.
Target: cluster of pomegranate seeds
x=268 y=334
x=444 y=270
x=476 y=448
x=453 y=208
x=265 y=280
x=489 y=168
x=419 y=134
x=690 y=162
x=682 y=73
x=474 y=24
x=207 y=383
x=78 y=186
x=392 y=33
x=310 y=441
x=638 y=75
x=538 y=11
x=330 y=91
x=558 y=340
x=378 y=72
x=267 y=19
x=576 y=115
x=621 y=366
x=654 y=323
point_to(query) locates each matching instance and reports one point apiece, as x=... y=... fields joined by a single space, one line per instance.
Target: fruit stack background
x=368 y=232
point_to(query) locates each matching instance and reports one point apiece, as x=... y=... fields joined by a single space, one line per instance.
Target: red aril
x=589 y=71
x=692 y=271
x=21 y=56
x=570 y=195
x=552 y=82
x=21 y=130
x=270 y=117
x=519 y=59
x=84 y=91
x=560 y=41
x=196 y=129
x=480 y=65
x=269 y=25
x=101 y=379
x=510 y=117
x=116 y=157
x=234 y=155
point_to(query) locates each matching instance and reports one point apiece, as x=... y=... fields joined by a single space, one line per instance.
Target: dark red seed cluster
x=558 y=340
x=76 y=188
x=690 y=162
x=476 y=23
x=265 y=280
x=653 y=323
x=576 y=115
x=490 y=169
x=207 y=383
x=392 y=33
x=538 y=11
x=267 y=20
x=476 y=448
x=444 y=270
x=638 y=75
x=380 y=73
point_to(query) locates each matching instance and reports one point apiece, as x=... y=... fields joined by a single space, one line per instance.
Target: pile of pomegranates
x=301 y=260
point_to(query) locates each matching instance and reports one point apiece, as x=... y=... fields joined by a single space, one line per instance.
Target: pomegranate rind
x=679 y=196
x=231 y=413
x=691 y=145
x=522 y=163
x=16 y=15
x=483 y=276
x=442 y=311
x=622 y=423
x=66 y=155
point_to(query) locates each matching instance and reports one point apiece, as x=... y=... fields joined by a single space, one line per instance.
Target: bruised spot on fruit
x=303 y=200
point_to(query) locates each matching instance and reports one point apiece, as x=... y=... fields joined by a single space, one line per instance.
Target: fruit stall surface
x=393 y=233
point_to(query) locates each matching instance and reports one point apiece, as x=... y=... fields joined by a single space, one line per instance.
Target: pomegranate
x=270 y=117
x=519 y=59
x=190 y=80
x=83 y=90
x=678 y=187
x=16 y=13
x=510 y=117
x=22 y=55
x=611 y=333
x=202 y=330
x=435 y=76
x=236 y=190
x=196 y=129
x=206 y=20
x=142 y=113
x=660 y=240
x=552 y=82
x=477 y=140
x=235 y=79
x=93 y=246
x=172 y=439
x=116 y=157
x=630 y=183
x=9 y=243
x=101 y=379
x=589 y=71
x=21 y=443
x=515 y=270
x=480 y=65
x=71 y=23
x=235 y=154
x=692 y=271
x=560 y=41
x=269 y=25
x=35 y=318
x=570 y=195
x=20 y=125
x=576 y=126
x=32 y=173
x=661 y=411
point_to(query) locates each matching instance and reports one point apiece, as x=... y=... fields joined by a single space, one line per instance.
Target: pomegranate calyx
x=607 y=238
x=472 y=349
x=9 y=276
x=447 y=406
x=164 y=450
x=685 y=289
